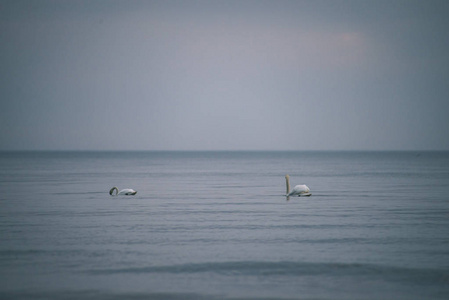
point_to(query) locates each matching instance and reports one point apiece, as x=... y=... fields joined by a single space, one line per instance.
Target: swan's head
x=287 y=177
x=111 y=191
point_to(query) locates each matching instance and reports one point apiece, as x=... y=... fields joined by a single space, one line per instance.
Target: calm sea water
x=216 y=225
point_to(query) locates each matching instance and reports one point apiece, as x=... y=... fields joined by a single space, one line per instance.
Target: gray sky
x=224 y=75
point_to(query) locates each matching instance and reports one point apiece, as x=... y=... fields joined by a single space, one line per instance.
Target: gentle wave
x=288 y=268
x=100 y=295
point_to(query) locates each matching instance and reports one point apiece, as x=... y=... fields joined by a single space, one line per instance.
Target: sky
x=224 y=75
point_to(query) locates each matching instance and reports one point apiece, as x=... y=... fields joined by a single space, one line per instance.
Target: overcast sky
x=224 y=75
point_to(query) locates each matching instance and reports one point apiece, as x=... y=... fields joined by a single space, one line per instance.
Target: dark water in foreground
x=215 y=225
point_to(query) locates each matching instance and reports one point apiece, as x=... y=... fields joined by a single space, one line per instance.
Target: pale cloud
x=254 y=48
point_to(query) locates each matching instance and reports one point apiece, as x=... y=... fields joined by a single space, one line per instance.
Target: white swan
x=299 y=190
x=128 y=192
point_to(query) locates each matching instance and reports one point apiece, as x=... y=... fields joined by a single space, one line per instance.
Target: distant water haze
x=224 y=75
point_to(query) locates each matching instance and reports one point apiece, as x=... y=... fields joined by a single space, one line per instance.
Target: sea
x=217 y=225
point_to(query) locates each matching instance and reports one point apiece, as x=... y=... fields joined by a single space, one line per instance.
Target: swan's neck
x=111 y=192
x=287 y=183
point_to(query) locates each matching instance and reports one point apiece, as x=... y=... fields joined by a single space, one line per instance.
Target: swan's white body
x=127 y=192
x=298 y=190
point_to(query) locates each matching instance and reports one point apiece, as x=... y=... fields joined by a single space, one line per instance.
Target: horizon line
x=218 y=150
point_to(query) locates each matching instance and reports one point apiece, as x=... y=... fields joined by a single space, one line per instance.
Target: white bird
x=299 y=190
x=127 y=192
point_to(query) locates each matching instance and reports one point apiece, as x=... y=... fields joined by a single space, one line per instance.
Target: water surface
x=216 y=225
